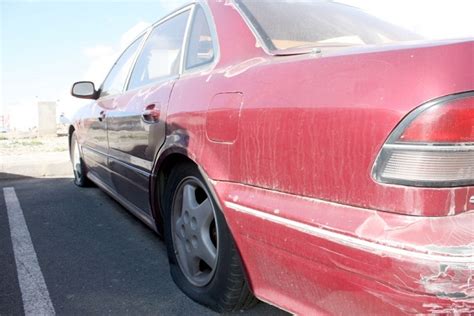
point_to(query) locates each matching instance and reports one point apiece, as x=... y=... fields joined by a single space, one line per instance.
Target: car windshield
x=304 y=25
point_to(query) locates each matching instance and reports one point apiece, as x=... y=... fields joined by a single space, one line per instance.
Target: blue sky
x=45 y=46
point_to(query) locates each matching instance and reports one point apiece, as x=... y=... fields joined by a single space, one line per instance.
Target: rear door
x=96 y=145
x=136 y=125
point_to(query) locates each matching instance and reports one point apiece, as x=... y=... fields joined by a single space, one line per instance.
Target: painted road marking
x=35 y=295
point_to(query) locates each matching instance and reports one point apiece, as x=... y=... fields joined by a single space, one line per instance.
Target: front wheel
x=204 y=262
x=78 y=165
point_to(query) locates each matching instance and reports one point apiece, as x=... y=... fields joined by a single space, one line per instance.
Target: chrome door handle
x=101 y=116
x=151 y=114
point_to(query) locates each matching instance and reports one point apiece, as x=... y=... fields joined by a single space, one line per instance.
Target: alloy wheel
x=194 y=232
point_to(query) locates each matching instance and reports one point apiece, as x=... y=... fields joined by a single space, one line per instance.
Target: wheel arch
x=169 y=159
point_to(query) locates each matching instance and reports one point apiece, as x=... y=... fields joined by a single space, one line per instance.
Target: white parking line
x=35 y=295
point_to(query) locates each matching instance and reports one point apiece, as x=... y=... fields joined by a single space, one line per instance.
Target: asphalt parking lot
x=94 y=256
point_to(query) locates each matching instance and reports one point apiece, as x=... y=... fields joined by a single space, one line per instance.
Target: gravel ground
x=29 y=156
x=11 y=145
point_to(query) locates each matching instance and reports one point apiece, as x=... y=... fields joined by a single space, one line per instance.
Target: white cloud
x=132 y=33
x=101 y=57
x=97 y=51
x=169 y=5
x=99 y=63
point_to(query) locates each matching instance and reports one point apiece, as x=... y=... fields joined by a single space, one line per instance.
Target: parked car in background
x=303 y=153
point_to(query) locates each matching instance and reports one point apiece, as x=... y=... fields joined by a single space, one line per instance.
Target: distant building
x=47 y=118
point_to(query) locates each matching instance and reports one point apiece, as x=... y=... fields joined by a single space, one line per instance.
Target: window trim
x=215 y=43
x=182 y=69
x=260 y=40
x=187 y=33
x=144 y=36
x=132 y=67
x=188 y=7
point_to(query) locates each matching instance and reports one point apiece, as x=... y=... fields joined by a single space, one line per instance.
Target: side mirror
x=84 y=90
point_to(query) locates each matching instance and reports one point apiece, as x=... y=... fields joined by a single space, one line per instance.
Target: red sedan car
x=303 y=153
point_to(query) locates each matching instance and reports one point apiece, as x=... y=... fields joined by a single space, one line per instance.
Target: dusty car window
x=284 y=25
x=200 y=49
x=160 y=56
x=115 y=81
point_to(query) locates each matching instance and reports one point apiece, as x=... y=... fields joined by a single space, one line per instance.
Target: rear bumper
x=308 y=255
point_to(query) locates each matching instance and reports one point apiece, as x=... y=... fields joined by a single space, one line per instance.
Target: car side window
x=115 y=81
x=161 y=54
x=200 y=48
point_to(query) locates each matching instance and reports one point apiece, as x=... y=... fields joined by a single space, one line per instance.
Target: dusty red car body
x=288 y=144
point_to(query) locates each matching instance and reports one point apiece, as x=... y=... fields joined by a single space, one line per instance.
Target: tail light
x=432 y=147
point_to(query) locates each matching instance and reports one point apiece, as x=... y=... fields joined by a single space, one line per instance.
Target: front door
x=96 y=147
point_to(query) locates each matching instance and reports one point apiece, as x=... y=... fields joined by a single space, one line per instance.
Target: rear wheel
x=204 y=262
x=78 y=165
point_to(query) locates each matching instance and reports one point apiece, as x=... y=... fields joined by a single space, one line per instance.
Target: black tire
x=227 y=290
x=78 y=165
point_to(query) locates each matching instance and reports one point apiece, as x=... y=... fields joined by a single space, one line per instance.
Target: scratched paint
x=415 y=264
x=317 y=234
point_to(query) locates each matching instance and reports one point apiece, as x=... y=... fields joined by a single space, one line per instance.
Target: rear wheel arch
x=167 y=161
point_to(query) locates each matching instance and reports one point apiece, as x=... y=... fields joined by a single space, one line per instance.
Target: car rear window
x=288 y=25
